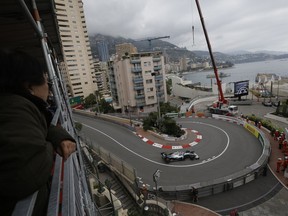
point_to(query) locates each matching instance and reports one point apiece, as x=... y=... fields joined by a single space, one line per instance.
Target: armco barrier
x=117 y=120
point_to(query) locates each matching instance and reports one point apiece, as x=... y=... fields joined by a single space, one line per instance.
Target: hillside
x=175 y=53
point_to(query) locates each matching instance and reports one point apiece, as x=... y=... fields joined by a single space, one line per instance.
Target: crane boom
x=221 y=96
x=149 y=39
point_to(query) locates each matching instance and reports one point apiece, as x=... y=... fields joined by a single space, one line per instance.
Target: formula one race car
x=179 y=155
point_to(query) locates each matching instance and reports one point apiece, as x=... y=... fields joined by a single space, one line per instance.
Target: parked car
x=267 y=103
x=179 y=156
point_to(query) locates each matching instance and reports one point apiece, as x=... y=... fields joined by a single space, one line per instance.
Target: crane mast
x=221 y=96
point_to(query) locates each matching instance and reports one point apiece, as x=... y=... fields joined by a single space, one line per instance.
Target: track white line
x=163 y=164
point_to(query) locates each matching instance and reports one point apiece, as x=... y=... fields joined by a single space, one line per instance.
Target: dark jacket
x=26 y=152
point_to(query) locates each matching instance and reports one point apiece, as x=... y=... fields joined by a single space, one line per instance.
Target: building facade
x=77 y=68
x=101 y=74
x=139 y=82
x=102 y=47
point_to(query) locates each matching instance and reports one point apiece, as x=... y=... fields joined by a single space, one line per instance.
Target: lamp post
x=129 y=112
x=279 y=78
x=97 y=95
x=156 y=176
x=158 y=101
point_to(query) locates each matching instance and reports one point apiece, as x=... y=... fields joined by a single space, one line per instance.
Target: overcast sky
x=232 y=25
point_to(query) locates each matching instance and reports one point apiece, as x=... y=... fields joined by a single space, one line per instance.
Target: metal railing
x=69 y=193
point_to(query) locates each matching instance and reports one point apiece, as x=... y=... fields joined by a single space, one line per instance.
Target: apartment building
x=77 y=68
x=125 y=48
x=101 y=74
x=139 y=82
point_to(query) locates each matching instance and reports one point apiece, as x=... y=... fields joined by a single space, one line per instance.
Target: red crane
x=221 y=99
x=221 y=106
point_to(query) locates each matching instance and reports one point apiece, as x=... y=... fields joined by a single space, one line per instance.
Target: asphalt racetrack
x=225 y=148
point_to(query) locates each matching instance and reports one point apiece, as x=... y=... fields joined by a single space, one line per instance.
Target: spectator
x=194 y=192
x=27 y=139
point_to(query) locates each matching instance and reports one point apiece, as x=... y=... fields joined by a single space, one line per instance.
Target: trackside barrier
x=112 y=161
x=114 y=119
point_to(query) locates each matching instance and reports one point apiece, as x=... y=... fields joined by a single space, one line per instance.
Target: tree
x=170 y=127
x=167 y=125
x=150 y=121
x=90 y=100
x=105 y=106
x=168 y=86
x=167 y=108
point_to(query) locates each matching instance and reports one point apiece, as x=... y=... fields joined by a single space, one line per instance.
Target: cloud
x=231 y=24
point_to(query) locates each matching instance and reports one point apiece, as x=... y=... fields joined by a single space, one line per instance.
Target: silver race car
x=179 y=156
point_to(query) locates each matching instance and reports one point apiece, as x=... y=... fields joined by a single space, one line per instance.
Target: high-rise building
x=102 y=47
x=78 y=68
x=101 y=74
x=139 y=82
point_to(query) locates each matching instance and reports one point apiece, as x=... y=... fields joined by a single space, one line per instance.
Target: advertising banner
x=241 y=88
x=251 y=129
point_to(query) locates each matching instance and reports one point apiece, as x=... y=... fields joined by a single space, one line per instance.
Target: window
x=149 y=81
x=147 y=63
x=149 y=89
x=148 y=72
x=151 y=98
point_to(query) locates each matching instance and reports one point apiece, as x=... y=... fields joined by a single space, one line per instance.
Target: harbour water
x=240 y=72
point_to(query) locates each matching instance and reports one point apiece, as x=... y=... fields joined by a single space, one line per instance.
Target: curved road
x=225 y=148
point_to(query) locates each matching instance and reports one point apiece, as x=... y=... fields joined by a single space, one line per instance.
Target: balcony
x=156 y=59
x=138 y=79
x=158 y=84
x=157 y=67
x=136 y=70
x=140 y=96
x=159 y=77
x=138 y=87
x=135 y=61
x=140 y=103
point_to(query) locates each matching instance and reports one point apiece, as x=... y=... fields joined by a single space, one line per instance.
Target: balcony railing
x=140 y=103
x=159 y=77
x=136 y=69
x=156 y=59
x=135 y=61
x=138 y=79
x=139 y=96
x=138 y=87
x=158 y=67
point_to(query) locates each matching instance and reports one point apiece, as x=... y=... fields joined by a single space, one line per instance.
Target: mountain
x=175 y=53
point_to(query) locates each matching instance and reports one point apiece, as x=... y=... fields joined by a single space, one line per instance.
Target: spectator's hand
x=66 y=148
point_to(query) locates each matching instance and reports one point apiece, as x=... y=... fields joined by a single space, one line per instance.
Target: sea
x=240 y=72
